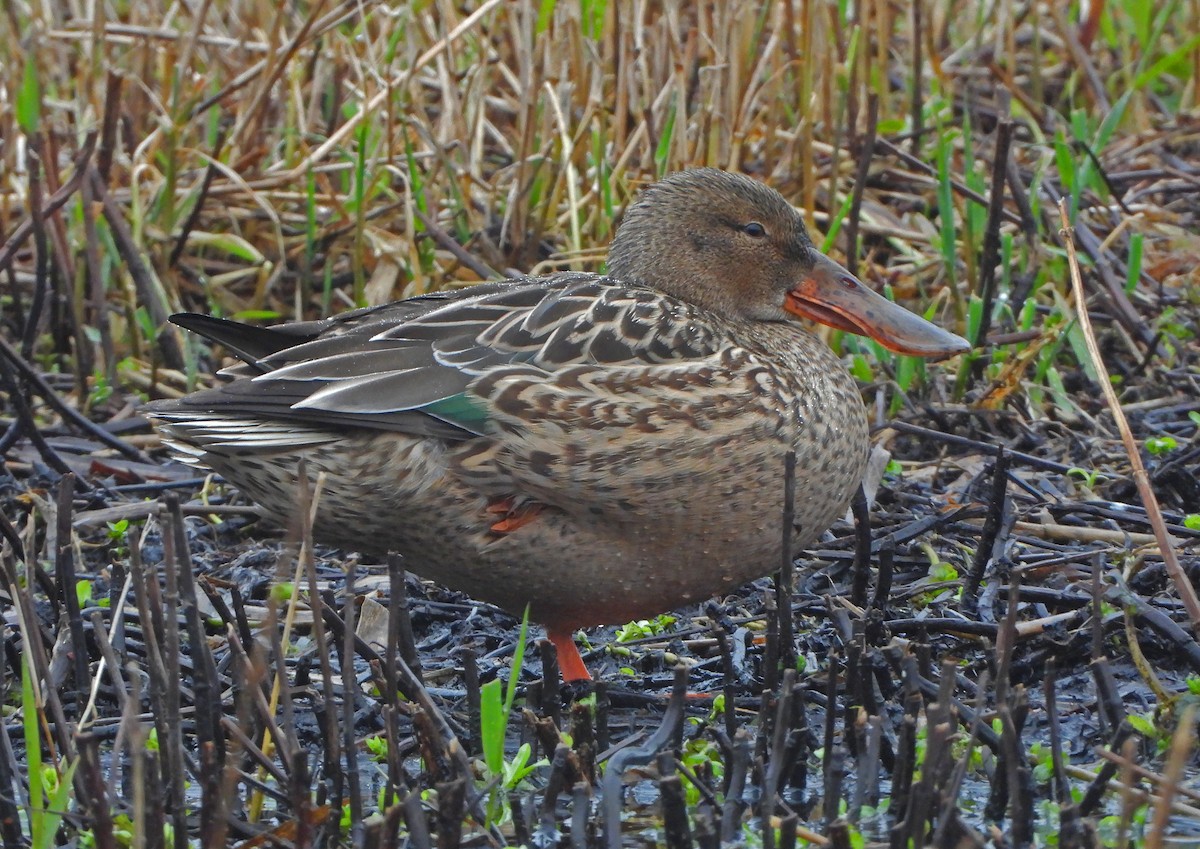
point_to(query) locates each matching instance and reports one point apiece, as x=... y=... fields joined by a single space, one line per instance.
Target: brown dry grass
x=267 y=161
x=279 y=165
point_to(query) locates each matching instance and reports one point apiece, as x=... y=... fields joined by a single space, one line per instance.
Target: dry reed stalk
x=1166 y=545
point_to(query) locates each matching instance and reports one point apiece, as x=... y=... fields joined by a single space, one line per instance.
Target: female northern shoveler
x=597 y=448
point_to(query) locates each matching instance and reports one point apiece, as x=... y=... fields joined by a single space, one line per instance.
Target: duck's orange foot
x=515 y=515
x=570 y=663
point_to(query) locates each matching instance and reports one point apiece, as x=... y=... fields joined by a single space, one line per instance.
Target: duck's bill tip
x=833 y=296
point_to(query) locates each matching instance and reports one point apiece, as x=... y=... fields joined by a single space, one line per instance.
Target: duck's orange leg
x=569 y=661
x=514 y=516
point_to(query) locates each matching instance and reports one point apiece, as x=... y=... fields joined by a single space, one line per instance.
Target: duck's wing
x=252 y=344
x=436 y=366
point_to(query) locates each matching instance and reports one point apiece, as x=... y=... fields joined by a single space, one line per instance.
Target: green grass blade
x=1068 y=172
x=29 y=98
x=545 y=15
x=518 y=661
x=662 y=152
x=56 y=807
x=1134 y=268
x=492 y=724
x=1166 y=63
x=33 y=755
x=835 y=226
x=945 y=196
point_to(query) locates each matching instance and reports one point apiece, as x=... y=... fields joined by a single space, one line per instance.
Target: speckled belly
x=381 y=492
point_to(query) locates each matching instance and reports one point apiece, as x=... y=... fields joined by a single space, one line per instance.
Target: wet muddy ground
x=972 y=662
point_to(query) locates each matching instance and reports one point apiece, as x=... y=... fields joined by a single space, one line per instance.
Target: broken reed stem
x=1182 y=744
x=784 y=581
x=989 y=259
x=1114 y=760
x=64 y=573
x=1187 y=593
x=306 y=512
x=991 y=532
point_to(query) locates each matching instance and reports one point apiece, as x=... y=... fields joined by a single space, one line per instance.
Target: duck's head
x=734 y=246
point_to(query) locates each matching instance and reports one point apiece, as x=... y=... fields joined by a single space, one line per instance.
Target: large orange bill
x=832 y=295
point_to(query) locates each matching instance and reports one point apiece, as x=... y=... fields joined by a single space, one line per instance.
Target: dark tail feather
x=250 y=344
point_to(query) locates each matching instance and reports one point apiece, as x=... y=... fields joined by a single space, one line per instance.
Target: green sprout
x=642 y=628
x=495 y=711
x=1161 y=445
x=1089 y=477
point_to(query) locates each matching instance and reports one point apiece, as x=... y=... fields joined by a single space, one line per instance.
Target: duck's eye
x=755 y=230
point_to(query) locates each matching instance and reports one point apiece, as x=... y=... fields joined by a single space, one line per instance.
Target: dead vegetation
x=1006 y=652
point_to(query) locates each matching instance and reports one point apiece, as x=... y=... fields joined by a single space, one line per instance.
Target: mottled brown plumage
x=598 y=448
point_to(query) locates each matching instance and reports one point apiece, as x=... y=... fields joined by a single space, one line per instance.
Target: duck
x=589 y=449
